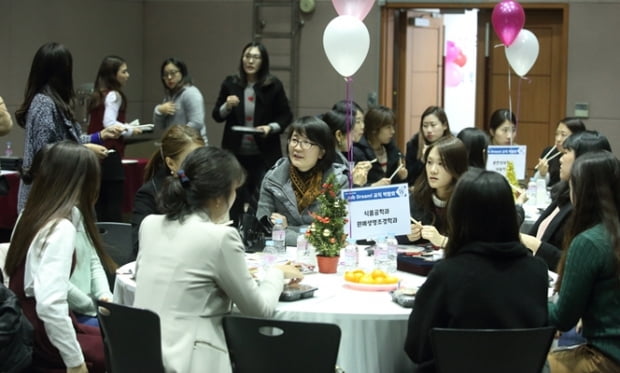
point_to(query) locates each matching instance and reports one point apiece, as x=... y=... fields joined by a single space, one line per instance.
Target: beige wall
x=208 y=35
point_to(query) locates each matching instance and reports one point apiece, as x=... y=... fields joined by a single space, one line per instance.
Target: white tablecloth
x=373 y=327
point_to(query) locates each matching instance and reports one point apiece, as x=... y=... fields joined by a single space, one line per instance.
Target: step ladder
x=277 y=24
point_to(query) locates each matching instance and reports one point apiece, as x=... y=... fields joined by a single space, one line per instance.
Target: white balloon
x=346 y=42
x=523 y=52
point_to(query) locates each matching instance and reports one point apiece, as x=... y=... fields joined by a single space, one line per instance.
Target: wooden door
x=418 y=82
x=539 y=100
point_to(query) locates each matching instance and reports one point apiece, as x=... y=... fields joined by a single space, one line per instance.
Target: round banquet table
x=373 y=327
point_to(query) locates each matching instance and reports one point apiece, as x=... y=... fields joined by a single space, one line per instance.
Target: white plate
x=370 y=287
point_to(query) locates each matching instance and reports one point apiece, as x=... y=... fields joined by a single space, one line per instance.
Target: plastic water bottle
x=531 y=193
x=302 y=244
x=8 y=151
x=381 y=254
x=392 y=253
x=270 y=255
x=278 y=235
x=351 y=255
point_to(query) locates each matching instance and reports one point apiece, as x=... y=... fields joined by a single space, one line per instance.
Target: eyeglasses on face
x=303 y=144
x=170 y=74
x=255 y=57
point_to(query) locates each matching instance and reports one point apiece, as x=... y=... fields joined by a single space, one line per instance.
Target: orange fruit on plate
x=350 y=276
x=366 y=279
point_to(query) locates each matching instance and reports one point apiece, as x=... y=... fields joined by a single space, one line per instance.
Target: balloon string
x=348 y=118
x=510 y=102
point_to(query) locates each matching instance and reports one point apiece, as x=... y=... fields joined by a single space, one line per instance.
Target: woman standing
x=503 y=127
x=193 y=286
x=291 y=186
x=42 y=255
x=256 y=100
x=550 y=169
x=107 y=108
x=46 y=113
x=183 y=102
x=445 y=162
x=377 y=146
x=176 y=143
x=588 y=283
x=487 y=279
x=433 y=126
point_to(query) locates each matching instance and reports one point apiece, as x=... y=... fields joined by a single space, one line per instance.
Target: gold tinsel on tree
x=326 y=233
x=512 y=178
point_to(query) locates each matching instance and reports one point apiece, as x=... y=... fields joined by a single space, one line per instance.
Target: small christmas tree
x=326 y=233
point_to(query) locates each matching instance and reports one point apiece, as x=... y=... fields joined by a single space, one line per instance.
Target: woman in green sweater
x=589 y=271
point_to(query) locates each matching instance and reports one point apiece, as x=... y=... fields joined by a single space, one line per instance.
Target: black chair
x=118 y=244
x=491 y=350
x=132 y=338
x=276 y=346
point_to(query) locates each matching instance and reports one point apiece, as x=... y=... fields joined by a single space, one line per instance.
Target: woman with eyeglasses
x=183 y=103
x=433 y=126
x=503 y=127
x=255 y=109
x=290 y=188
x=377 y=146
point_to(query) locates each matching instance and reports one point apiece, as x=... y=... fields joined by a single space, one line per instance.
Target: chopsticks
x=414 y=221
x=547 y=157
x=395 y=172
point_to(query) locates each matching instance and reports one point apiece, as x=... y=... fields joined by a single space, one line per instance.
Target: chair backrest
x=118 y=244
x=132 y=338
x=491 y=350
x=276 y=346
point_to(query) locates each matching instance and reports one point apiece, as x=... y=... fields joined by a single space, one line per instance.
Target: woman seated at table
x=290 y=188
x=502 y=127
x=344 y=141
x=378 y=147
x=548 y=166
x=487 y=279
x=191 y=264
x=476 y=142
x=445 y=162
x=42 y=256
x=588 y=282
x=546 y=237
x=434 y=125
x=176 y=143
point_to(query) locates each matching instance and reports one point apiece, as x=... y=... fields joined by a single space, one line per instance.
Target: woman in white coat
x=191 y=265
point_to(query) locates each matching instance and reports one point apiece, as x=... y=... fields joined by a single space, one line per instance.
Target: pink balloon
x=356 y=8
x=508 y=19
x=461 y=59
x=453 y=74
x=452 y=51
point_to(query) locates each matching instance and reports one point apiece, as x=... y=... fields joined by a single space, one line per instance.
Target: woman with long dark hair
x=42 y=256
x=47 y=112
x=588 y=282
x=107 y=108
x=254 y=106
x=487 y=279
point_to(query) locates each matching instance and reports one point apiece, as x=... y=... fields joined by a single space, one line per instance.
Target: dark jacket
x=144 y=204
x=486 y=285
x=550 y=249
x=362 y=151
x=415 y=166
x=271 y=106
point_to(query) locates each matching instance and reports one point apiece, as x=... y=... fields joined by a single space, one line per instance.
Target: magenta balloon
x=356 y=8
x=508 y=19
x=452 y=51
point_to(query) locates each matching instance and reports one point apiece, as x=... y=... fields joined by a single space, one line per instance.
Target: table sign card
x=377 y=211
x=498 y=157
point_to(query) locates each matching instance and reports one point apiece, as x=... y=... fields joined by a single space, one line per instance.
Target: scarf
x=306 y=185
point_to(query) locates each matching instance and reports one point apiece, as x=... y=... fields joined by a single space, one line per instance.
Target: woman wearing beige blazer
x=191 y=265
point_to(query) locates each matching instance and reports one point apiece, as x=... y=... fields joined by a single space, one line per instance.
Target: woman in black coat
x=488 y=279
